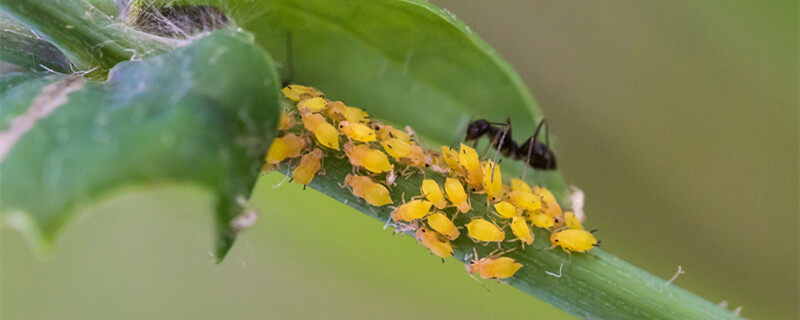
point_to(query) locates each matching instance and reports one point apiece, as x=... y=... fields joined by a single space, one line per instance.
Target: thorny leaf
x=202 y=114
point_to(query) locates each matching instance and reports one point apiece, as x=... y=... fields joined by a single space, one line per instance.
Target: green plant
x=212 y=124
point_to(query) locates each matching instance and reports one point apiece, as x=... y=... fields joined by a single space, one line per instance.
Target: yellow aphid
x=572 y=221
x=397 y=148
x=430 y=189
x=492 y=183
x=468 y=159
x=450 y=157
x=506 y=209
x=357 y=131
x=298 y=92
x=541 y=220
x=494 y=268
x=362 y=156
x=417 y=157
x=323 y=131
x=340 y=112
x=386 y=132
x=439 y=222
x=482 y=230
x=434 y=242
x=549 y=204
x=308 y=167
x=521 y=230
x=524 y=200
x=455 y=193
x=521 y=186
x=286 y=122
x=573 y=240
x=314 y=104
x=286 y=147
x=412 y=210
x=364 y=187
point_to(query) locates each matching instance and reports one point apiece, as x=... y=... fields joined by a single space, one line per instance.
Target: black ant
x=533 y=152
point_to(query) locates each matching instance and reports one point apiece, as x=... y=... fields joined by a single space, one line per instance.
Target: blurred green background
x=678 y=119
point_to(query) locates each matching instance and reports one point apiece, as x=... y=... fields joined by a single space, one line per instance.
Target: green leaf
x=202 y=114
x=20 y=46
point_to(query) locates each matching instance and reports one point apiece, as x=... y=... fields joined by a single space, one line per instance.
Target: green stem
x=594 y=285
x=88 y=37
x=18 y=45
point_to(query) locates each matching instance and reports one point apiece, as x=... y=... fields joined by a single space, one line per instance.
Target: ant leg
x=543 y=123
x=531 y=141
x=497 y=149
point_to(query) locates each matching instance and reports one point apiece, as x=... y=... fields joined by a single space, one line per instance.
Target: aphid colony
x=376 y=150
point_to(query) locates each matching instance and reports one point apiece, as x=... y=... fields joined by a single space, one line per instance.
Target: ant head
x=477 y=128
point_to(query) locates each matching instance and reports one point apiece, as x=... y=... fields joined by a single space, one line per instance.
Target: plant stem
x=594 y=285
x=88 y=37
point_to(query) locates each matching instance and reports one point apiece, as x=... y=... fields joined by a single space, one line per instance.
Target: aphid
x=468 y=159
x=323 y=131
x=549 y=204
x=519 y=185
x=386 y=132
x=524 y=200
x=494 y=267
x=521 y=230
x=482 y=230
x=372 y=192
x=316 y=104
x=430 y=189
x=541 y=220
x=286 y=147
x=412 y=210
x=572 y=221
x=286 y=122
x=492 y=182
x=436 y=162
x=370 y=159
x=397 y=148
x=439 y=222
x=357 y=131
x=434 y=242
x=506 y=209
x=417 y=157
x=310 y=163
x=455 y=193
x=298 y=92
x=450 y=157
x=340 y=112
x=573 y=240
